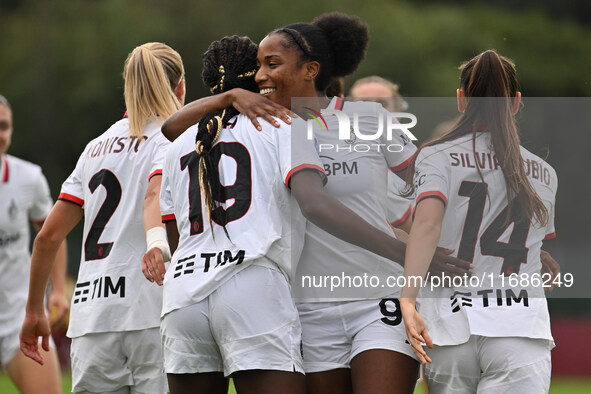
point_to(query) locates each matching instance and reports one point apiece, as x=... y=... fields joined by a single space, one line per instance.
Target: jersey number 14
x=513 y=252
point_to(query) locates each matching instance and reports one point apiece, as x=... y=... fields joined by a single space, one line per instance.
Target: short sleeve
x=42 y=201
x=550 y=201
x=297 y=150
x=166 y=202
x=399 y=149
x=430 y=177
x=550 y=230
x=161 y=145
x=73 y=188
x=399 y=208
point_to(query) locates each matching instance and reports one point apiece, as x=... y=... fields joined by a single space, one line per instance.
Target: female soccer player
x=115 y=321
x=227 y=306
x=385 y=92
x=478 y=193
x=24 y=198
x=300 y=60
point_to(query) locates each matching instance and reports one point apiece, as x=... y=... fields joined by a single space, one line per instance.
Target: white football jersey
x=261 y=217
x=476 y=226
x=110 y=182
x=399 y=208
x=358 y=177
x=24 y=198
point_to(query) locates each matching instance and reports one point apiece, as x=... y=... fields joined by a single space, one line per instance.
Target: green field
x=559 y=386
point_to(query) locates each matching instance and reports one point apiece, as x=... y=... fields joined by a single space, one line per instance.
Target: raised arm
x=249 y=103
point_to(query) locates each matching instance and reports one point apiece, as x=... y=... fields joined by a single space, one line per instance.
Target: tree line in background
x=61 y=64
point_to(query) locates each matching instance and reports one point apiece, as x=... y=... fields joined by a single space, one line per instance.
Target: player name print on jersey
x=488 y=161
x=114 y=145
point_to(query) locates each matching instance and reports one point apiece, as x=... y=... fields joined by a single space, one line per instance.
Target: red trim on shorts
x=303 y=167
x=168 y=218
x=404 y=164
x=431 y=194
x=403 y=218
x=157 y=172
x=70 y=198
x=550 y=236
x=5 y=176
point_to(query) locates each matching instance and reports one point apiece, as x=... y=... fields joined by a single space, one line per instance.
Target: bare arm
x=549 y=267
x=62 y=218
x=333 y=217
x=58 y=303
x=151 y=209
x=422 y=242
x=173 y=235
x=406 y=225
x=249 y=103
x=158 y=251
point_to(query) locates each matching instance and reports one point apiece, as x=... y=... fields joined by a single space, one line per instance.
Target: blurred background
x=61 y=68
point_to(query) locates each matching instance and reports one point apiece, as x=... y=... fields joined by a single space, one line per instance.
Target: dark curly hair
x=336 y=41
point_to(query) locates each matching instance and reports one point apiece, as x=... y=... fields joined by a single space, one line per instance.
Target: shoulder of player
x=244 y=122
x=527 y=155
x=363 y=107
x=119 y=128
x=244 y=126
x=185 y=143
x=541 y=170
x=18 y=164
x=434 y=152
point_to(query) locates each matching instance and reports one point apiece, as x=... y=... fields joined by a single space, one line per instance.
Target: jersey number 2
x=514 y=252
x=92 y=249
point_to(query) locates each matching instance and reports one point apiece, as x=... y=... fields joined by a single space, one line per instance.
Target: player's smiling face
x=280 y=76
x=5 y=128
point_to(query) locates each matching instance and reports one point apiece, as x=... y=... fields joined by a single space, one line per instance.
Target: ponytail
x=152 y=73
x=492 y=80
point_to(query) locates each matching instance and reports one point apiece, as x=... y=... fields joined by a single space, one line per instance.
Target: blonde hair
x=152 y=73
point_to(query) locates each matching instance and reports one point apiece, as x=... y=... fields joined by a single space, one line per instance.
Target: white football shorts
x=488 y=365
x=333 y=333
x=249 y=322
x=118 y=362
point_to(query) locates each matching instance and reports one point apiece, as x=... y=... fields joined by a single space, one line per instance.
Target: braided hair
x=227 y=64
x=336 y=41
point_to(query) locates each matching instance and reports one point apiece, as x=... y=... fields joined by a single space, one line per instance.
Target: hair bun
x=347 y=37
